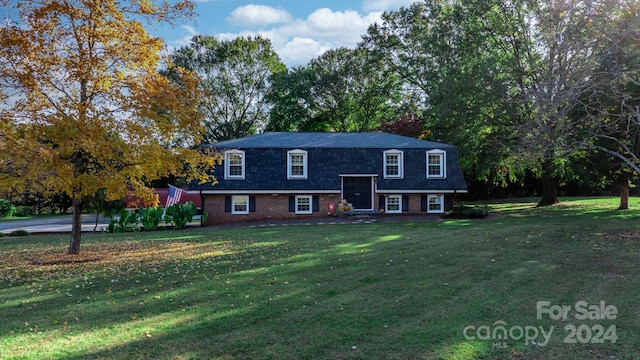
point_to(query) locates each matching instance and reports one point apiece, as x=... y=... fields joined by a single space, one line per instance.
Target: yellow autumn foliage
x=83 y=106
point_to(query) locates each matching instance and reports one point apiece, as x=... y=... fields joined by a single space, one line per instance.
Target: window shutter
x=292 y=203
x=382 y=202
x=227 y=204
x=424 y=203
x=252 y=204
x=315 y=204
x=405 y=202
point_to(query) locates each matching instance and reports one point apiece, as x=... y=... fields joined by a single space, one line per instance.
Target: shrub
x=127 y=221
x=151 y=217
x=6 y=208
x=180 y=214
x=19 y=233
x=22 y=211
x=467 y=212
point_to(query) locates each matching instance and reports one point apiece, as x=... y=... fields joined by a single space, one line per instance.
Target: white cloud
x=300 y=50
x=299 y=40
x=322 y=30
x=185 y=40
x=258 y=15
x=383 y=5
x=346 y=27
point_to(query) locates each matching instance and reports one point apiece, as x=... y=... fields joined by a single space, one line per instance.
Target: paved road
x=57 y=224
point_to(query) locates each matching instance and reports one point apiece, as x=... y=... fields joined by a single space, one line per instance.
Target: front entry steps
x=363 y=216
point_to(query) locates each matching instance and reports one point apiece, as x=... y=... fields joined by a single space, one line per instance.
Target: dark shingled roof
x=327 y=140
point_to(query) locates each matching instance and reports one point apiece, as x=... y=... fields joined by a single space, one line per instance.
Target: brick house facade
x=298 y=175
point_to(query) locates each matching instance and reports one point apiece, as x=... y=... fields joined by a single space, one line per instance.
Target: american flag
x=174 y=196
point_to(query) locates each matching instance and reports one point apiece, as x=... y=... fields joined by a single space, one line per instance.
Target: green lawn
x=423 y=290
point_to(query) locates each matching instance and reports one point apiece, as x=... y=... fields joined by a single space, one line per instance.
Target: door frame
x=372 y=178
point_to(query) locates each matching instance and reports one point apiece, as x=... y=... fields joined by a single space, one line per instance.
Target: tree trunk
x=549 y=191
x=624 y=193
x=76 y=228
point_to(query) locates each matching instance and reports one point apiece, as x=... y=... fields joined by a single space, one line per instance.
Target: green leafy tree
x=442 y=52
x=101 y=205
x=610 y=98
x=290 y=95
x=235 y=77
x=342 y=90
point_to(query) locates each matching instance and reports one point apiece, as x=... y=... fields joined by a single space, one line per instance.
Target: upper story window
x=436 y=164
x=234 y=164
x=297 y=164
x=393 y=164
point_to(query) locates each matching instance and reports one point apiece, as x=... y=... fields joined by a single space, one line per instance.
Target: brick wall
x=267 y=207
x=270 y=206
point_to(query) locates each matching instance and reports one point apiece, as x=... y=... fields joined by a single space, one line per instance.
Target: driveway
x=57 y=224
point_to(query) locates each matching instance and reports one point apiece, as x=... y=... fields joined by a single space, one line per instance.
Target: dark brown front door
x=357 y=191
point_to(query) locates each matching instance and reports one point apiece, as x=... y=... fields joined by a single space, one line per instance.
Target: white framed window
x=240 y=204
x=436 y=164
x=304 y=204
x=234 y=164
x=393 y=204
x=435 y=203
x=393 y=164
x=296 y=164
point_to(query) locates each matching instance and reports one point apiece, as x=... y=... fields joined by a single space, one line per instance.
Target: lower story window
x=303 y=204
x=240 y=204
x=435 y=204
x=394 y=204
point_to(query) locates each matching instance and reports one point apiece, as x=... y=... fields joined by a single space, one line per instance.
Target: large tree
x=443 y=54
x=341 y=90
x=235 y=76
x=610 y=97
x=506 y=81
x=84 y=106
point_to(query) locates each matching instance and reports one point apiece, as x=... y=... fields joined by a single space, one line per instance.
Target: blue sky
x=298 y=29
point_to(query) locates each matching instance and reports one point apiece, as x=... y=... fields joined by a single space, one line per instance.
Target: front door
x=358 y=191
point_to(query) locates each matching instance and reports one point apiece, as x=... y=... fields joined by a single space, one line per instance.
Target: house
x=291 y=175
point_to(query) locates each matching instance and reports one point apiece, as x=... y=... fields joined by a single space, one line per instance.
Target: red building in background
x=131 y=202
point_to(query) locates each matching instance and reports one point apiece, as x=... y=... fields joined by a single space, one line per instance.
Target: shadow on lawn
x=389 y=290
x=316 y=298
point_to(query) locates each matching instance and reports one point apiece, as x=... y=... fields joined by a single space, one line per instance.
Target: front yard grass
x=410 y=290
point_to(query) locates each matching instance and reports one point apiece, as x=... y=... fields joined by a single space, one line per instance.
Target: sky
x=299 y=30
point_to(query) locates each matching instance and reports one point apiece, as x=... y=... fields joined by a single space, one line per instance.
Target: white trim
x=415 y=191
x=240 y=192
x=305 y=162
x=227 y=164
x=358 y=175
x=443 y=164
x=429 y=197
x=310 y=211
x=386 y=204
x=400 y=164
x=233 y=204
